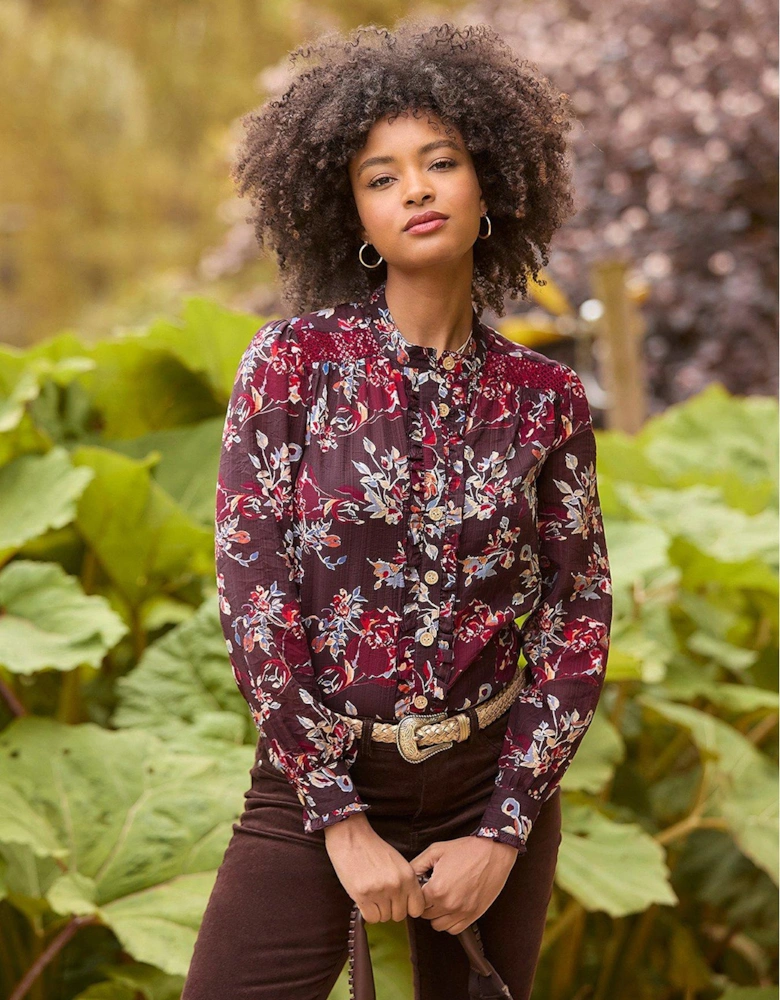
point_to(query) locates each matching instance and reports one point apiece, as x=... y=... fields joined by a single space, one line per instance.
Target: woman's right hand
x=375 y=875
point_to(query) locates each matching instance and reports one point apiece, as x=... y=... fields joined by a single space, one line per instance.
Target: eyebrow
x=427 y=148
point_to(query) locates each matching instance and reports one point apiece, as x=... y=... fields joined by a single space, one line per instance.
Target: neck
x=431 y=312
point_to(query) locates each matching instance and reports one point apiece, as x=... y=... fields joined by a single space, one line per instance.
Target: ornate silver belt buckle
x=406 y=738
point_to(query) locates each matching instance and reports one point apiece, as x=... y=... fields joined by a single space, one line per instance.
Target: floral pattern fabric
x=384 y=516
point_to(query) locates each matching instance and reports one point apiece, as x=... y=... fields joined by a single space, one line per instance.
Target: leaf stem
x=9 y=697
x=49 y=953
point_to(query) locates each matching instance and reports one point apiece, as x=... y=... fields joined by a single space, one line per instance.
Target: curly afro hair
x=293 y=160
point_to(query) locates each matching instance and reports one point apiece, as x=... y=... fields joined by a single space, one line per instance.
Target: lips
x=416 y=220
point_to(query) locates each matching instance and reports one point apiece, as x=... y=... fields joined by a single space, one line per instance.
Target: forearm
x=350 y=831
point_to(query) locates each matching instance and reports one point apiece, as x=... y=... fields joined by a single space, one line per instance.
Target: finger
x=422 y=863
x=416 y=902
x=398 y=908
x=450 y=926
x=442 y=918
x=426 y=859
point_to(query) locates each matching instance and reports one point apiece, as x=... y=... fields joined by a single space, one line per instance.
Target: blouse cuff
x=328 y=796
x=509 y=818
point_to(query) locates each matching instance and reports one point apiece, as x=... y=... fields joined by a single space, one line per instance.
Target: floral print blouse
x=384 y=516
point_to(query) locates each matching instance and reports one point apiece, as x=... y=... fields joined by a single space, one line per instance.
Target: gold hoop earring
x=490 y=227
x=360 y=257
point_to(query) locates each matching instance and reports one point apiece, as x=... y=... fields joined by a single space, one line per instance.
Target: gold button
x=436 y=513
x=427 y=638
x=449 y=362
x=431 y=576
x=420 y=701
x=443 y=409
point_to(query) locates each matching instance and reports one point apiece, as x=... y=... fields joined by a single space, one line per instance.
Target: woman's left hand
x=468 y=874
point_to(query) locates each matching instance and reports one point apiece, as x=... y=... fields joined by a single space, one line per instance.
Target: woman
x=399 y=485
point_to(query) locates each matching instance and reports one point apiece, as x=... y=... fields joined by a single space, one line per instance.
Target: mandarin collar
x=404 y=354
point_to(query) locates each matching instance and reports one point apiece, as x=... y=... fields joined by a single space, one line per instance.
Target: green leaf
x=30 y=876
x=185 y=678
x=209 y=341
x=107 y=991
x=636 y=550
x=54 y=484
x=160 y=924
x=736 y=699
x=123 y=502
x=21 y=824
x=741 y=458
x=741 y=698
x=153 y=983
x=160 y=610
x=741 y=782
x=49 y=622
x=73 y=893
x=699 y=515
x=144 y=828
x=186 y=463
x=733 y=657
x=137 y=388
x=25 y=374
x=614 y=867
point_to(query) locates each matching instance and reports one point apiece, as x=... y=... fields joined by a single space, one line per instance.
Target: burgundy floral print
x=394 y=530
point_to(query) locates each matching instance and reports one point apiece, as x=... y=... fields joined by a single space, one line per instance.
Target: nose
x=425 y=197
x=418 y=190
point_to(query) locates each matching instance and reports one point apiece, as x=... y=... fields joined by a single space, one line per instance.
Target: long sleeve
x=565 y=638
x=258 y=582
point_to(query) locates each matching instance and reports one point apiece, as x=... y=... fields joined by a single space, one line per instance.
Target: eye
x=384 y=177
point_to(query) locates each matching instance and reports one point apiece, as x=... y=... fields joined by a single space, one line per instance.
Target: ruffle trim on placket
x=416 y=481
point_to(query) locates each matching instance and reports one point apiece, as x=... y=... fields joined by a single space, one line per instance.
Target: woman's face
x=408 y=167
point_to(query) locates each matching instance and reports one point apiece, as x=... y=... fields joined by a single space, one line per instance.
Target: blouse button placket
x=436 y=388
x=449 y=444
x=452 y=443
x=434 y=516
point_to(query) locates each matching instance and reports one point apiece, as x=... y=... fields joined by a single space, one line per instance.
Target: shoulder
x=522 y=366
x=292 y=342
x=338 y=333
x=527 y=367
x=290 y=345
x=273 y=363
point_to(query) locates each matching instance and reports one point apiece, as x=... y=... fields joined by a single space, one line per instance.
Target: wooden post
x=621 y=329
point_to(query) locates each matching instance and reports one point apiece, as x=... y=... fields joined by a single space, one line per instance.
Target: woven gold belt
x=439 y=731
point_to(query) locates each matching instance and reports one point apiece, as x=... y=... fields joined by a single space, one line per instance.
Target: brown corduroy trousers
x=276 y=924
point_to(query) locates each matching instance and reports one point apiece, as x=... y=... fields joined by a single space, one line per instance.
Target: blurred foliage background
x=130 y=285
x=118 y=122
